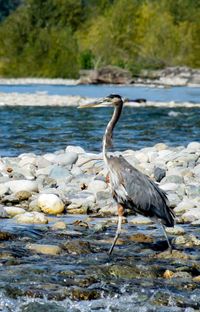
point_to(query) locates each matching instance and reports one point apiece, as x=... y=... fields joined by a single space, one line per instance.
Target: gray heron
x=131 y=188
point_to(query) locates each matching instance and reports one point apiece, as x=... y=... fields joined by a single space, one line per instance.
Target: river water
x=86 y=279
x=45 y=129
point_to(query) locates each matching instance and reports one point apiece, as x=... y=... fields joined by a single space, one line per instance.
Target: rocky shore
x=168 y=77
x=71 y=181
x=58 y=220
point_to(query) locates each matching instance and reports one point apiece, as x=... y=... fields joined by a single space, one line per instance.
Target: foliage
x=55 y=38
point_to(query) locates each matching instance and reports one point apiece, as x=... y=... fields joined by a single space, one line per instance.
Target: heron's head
x=112 y=99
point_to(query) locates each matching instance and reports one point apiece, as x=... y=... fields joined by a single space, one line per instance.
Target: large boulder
x=107 y=74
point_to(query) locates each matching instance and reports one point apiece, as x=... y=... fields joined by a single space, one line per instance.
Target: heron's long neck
x=107 y=139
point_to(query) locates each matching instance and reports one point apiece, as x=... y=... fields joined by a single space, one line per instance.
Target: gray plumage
x=141 y=194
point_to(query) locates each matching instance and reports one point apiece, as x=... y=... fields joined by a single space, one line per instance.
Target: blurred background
x=58 y=38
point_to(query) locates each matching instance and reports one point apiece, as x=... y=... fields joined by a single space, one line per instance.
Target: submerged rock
x=44 y=249
x=31 y=218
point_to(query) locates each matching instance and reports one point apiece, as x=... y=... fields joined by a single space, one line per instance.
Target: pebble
x=14 y=211
x=44 y=249
x=66 y=159
x=176 y=230
x=60 y=225
x=140 y=220
x=22 y=185
x=191 y=215
x=50 y=204
x=31 y=218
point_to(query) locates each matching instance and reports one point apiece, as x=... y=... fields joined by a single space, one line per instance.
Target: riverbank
x=58 y=220
x=43 y=99
x=168 y=77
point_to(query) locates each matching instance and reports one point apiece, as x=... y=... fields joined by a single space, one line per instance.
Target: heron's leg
x=167 y=239
x=119 y=227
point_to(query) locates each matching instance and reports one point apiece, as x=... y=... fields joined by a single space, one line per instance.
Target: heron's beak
x=99 y=103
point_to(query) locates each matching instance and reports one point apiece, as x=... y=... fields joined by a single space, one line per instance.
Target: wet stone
x=174 y=255
x=84 y=294
x=141 y=238
x=44 y=249
x=77 y=247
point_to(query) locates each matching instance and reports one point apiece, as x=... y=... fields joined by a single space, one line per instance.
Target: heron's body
x=134 y=190
x=131 y=188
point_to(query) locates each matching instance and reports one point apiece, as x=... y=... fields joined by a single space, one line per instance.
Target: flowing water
x=83 y=278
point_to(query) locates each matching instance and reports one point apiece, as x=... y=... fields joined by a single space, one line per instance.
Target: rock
x=173 y=179
x=22 y=185
x=187 y=240
x=183 y=206
x=160 y=147
x=193 y=190
x=168 y=274
x=196 y=279
x=44 y=249
x=3 y=189
x=74 y=149
x=140 y=220
x=31 y=218
x=3 y=213
x=167 y=187
x=33 y=206
x=77 y=247
x=23 y=195
x=141 y=238
x=159 y=174
x=79 y=293
x=50 y=203
x=196 y=170
x=60 y=174
x=176 y=254
x=60 y=225
x=14 y=211
x=191 y=215
x=108 y=74
x=173 y=199
x=66 y=159
x=176 y=230
x=194 y=146
x=97 y=186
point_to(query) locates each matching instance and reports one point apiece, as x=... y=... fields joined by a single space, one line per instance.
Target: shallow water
x=47 y=129
x=130 y=280
x=177 y=94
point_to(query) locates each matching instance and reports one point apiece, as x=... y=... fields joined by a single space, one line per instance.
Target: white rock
x=142 y=157
x=140 y=220
x=3 y=189
x=66 y=159
x=14 y=211
x=97 y=186
x=50 y=157
x=191 y=215
x=22 y=185
x=44 y=249
x=75 y=149
x=194 y=146
x=196 y=170
x=27 y=160
x=169 y=187
x=160 y=146
x=176 y=230
x=50 y=203
x=184 y=205
x=31 y=218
